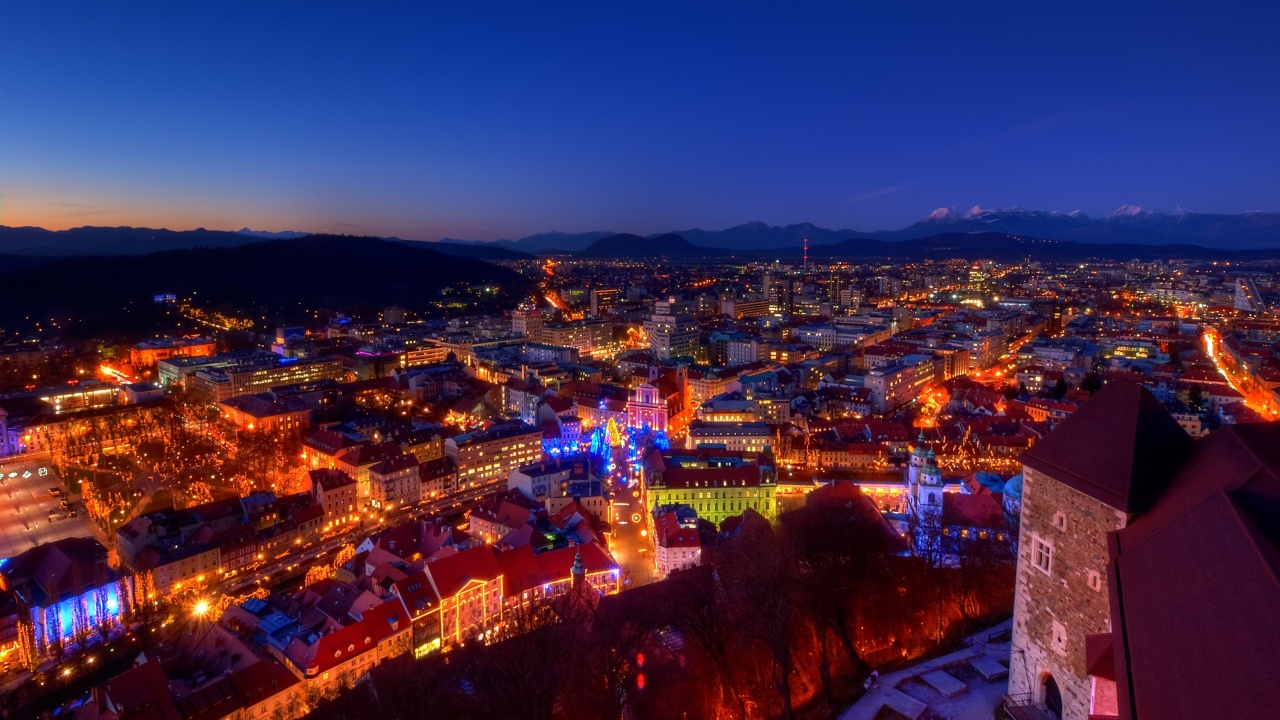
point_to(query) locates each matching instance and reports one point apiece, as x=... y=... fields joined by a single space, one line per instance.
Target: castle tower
x=1099 y=468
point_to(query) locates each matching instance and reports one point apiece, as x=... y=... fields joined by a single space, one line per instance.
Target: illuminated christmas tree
x=614 y=434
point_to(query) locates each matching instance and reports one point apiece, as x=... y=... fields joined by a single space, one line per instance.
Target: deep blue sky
x=484 y=121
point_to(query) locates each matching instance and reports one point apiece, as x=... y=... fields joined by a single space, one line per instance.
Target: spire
x=921 y=450
x=579 y=571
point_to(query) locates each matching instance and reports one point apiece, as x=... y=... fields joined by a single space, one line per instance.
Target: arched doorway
x=1052 y=697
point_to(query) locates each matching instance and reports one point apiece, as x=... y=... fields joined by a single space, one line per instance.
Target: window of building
x=1095 y=581
x=1042 y=555
x=1060 y=520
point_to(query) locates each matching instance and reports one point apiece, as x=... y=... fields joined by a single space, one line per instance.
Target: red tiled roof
x=965 y=510
x=330 y=479
x=1198 y=579
x=1133 y=444
x=451 y=574
x=394 y=464
x=261 y=680
x=142 y=692
x=416 y=592
x=556 y=564
x=669 y=534
x=743 y=476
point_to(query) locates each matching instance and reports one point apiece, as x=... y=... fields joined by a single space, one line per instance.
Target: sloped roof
x=1118 y=448
x=980 y=511
x=417 y=593
x=450 y=574
x=142 y=692
x=669 y=534
x=62 y=569
x=1198 y=579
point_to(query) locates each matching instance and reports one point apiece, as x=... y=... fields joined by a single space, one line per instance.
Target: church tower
x=919 y=454
x=578 y=572
x=926 y=491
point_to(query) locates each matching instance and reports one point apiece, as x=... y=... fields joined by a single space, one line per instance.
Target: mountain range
x=1127 y=225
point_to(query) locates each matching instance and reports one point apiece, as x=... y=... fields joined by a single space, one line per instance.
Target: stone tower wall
x=1054 y=612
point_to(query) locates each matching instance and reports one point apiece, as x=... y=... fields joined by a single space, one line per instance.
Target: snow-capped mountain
x=1128 y=224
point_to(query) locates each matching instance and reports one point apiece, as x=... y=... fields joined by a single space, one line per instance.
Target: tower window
x=1042 y=555
x=1060 y=520
x=1095 y=581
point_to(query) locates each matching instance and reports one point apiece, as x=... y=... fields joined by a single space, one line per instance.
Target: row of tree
x=783 y=620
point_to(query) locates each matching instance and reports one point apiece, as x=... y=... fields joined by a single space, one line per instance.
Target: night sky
x=483 y=121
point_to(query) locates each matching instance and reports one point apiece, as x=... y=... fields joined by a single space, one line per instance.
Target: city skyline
x=591 y=361
x=430 y=124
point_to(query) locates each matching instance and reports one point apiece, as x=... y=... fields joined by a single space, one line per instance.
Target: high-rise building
x=527 y=323
x=585 y=336
x=604 y=300
x=672 y=336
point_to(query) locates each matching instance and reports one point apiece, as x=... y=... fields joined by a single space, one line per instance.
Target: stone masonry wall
x=1054 y=613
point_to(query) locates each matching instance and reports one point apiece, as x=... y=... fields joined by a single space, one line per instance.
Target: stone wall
x=1054 y=612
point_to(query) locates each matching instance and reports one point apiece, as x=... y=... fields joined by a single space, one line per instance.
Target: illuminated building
x=585 y=336
x=233 y=381
x=568 y=476
x=602 y=301
x=745 y=437
x=86 y=395
x=742 y=351
x=357 y=461
x=265 y=413
x=65 y=588
x=335 y=491
x=527 y=323
x=672 y=336
x=488 y=456
x=729 y=407
x=332 y=660
x=394 y=482
x=476 y=587
x=897 y=384
x=170 y=529
x=717 y=484
x=745 y=308
x=647 y=408
x=194 y=564
x=676 y=544
x=321 y=448
x=149 y=352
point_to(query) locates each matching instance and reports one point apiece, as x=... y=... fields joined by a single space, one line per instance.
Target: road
x=279 y=570
x=632 y=538
x=1255 y=401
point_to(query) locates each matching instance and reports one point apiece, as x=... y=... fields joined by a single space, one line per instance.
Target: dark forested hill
x=276 y=278
x=635 y=247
